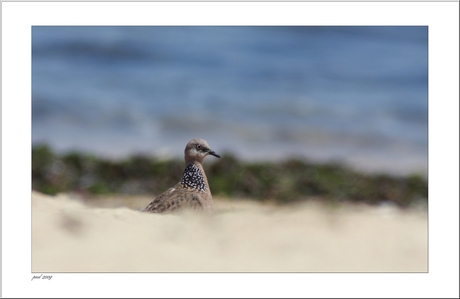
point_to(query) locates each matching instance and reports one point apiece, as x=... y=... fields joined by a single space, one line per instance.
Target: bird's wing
x=173 y=199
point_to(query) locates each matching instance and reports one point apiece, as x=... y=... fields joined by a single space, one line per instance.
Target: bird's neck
x=195 y=178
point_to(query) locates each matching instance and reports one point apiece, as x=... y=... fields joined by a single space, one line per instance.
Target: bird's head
x=197 y=150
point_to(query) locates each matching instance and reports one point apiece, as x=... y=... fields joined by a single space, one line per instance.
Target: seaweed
x=282 y=182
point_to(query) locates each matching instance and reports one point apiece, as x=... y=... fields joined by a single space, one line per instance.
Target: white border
x=442 y=19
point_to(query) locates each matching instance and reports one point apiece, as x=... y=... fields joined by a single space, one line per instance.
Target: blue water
x=356 y=95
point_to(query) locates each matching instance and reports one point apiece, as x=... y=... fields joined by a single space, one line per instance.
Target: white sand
x=70 y=236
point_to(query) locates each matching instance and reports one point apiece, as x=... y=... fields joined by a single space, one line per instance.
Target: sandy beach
x=110 y=235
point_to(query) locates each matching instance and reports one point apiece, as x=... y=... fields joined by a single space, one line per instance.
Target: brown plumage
x=192 y=192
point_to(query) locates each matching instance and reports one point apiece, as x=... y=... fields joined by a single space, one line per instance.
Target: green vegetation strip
x=283 y=182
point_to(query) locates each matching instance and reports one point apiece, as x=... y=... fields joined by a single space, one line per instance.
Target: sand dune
x=110 y=235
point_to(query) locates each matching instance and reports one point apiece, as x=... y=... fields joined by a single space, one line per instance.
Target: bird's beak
x=211 y=152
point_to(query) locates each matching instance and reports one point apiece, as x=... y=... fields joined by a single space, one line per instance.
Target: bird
x=192 y=191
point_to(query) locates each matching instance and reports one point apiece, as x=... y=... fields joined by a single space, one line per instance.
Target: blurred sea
x=355 y=95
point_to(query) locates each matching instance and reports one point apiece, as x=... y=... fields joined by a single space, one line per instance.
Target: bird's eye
x=198 y=146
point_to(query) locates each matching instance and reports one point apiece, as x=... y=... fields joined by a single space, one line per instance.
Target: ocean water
x=353 y=95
